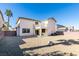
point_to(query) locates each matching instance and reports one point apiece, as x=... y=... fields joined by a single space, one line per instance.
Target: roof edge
x=27 y=19
x=52 y=18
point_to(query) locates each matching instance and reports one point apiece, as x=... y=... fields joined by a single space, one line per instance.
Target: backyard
x=67 y=44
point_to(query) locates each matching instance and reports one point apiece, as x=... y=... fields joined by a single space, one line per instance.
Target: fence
x=7 y=33
x=1 y=35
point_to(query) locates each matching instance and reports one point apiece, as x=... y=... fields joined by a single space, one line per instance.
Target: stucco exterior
x=46 y=27
x=3 y=26
x=52 y=27
x=1 y=20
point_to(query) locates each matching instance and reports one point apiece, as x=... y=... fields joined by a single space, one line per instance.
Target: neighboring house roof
x=60 y=26
x=52 y=19
x=27 y=19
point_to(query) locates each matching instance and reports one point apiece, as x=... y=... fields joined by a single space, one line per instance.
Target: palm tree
x=9 y=14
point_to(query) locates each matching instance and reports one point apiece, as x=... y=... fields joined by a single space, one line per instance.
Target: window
x=36 y=23
x=24 y=30
x=43 y=30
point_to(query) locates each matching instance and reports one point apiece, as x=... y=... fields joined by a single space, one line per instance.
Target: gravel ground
x=18 y=46
x=68 y=44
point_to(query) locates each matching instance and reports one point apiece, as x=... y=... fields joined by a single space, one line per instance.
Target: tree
x=7 y=24
x=8 y=14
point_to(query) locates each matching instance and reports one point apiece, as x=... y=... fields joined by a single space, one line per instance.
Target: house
x=65 y=28
x=3 y=26
x=61 y=28
x=71 y=28
x=30 y=27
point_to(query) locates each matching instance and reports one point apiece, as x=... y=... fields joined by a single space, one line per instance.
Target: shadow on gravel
x=38 y=47
x=59 y=53
x=55 y=53
x=9 y=46
x=68 y=42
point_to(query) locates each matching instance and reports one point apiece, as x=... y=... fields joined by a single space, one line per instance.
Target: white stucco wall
x=26 y=24
x=51 y=26
x=44 y=24
x=18 y=31
x=1 y=21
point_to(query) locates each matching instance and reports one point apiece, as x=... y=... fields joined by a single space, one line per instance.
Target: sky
x=65 y=13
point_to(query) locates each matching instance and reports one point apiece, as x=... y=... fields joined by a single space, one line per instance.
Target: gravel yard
x=19 y=46
x=63 y=44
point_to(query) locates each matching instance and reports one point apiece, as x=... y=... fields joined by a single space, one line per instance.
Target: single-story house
x=65 y=28
x=61 y=28
x=30 y=27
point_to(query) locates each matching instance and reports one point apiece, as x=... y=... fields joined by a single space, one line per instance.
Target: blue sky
x=64 y=13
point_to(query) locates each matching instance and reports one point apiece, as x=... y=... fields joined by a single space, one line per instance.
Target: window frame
x=43 y=30
x=25 y=30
